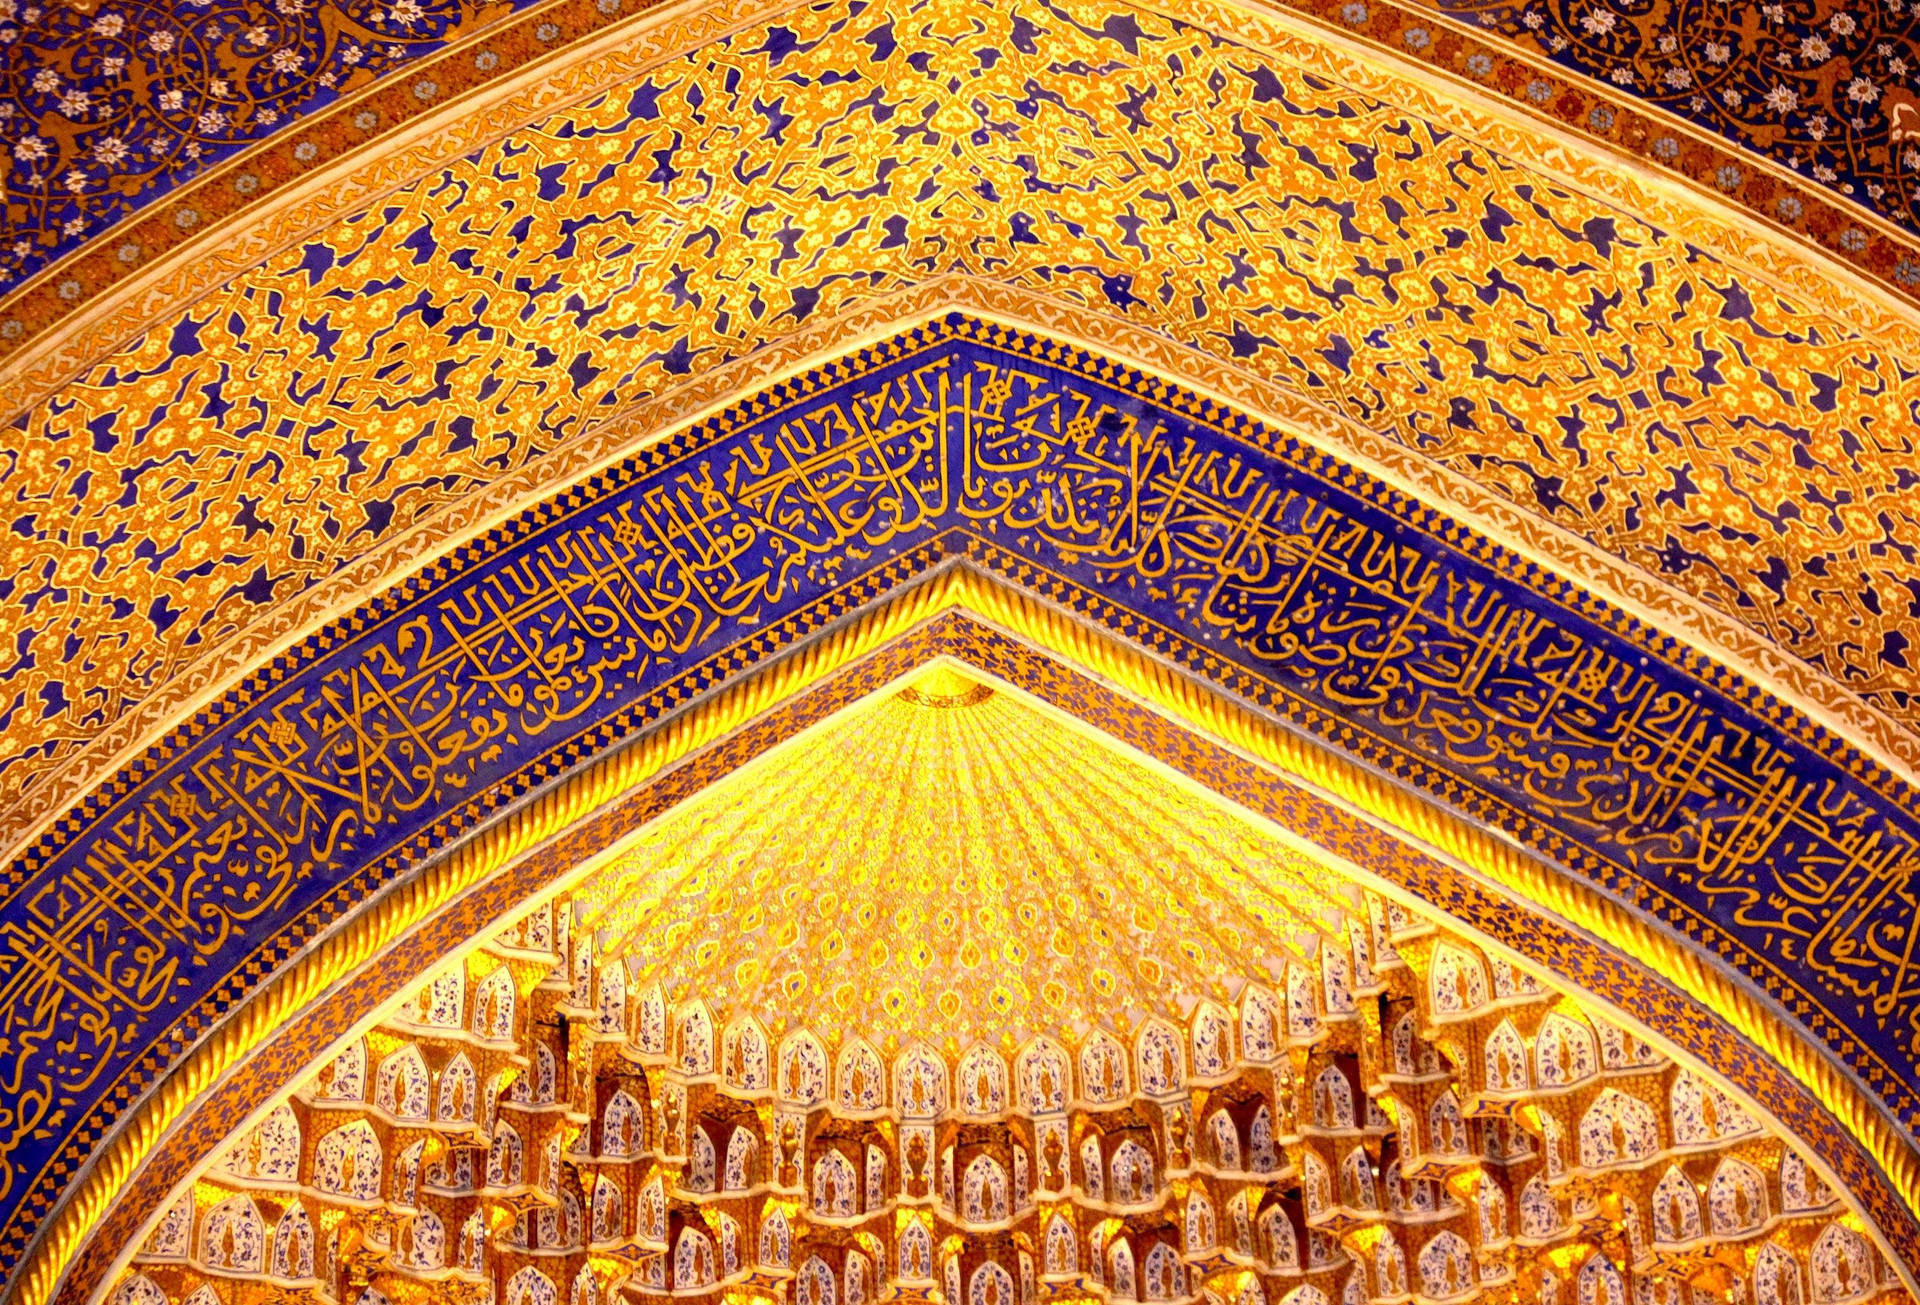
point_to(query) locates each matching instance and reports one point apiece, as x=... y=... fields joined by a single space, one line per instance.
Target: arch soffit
x=266 y=680
x=1756 y=284
x=961 y=371
x=1018 y=640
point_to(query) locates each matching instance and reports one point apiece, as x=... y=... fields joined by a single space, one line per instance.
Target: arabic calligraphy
x=1306 y=575
x=1584 y=367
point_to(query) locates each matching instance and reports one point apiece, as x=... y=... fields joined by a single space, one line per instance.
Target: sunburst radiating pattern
x=952 y=862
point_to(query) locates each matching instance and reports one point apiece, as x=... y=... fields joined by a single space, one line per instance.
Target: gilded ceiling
x=653 y=321
x=626 y=1094
x=1514 y=710
x=951 y=865
x=1803 y=112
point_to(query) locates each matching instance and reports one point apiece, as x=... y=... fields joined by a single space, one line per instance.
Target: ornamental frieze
x=1744 y=445
x=1399 y=636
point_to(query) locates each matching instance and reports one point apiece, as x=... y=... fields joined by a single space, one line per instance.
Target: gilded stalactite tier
x=1388 y=1114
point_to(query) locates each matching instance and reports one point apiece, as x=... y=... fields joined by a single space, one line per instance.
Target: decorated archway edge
x=1296 y=583
x=963 y=612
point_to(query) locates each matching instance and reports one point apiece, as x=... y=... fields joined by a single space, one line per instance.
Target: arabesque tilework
x=1374 y=622
x=1738 y=443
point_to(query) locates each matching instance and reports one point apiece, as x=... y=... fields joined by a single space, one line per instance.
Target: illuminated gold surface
x=1738 y=484
x=1270 y=1097
x=1410 y=983
x=328 y=970
x=960 y=872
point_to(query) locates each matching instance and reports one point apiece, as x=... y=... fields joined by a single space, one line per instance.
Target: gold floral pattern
x=236 y=455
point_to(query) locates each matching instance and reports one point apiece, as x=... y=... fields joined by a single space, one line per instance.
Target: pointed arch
x=1736 y=1199
x=1063 y=1247
x=776 y=1239
x=348 y=1162
x=1041 y=1073
x=1211 y=1041
x=443 y=998
x=703 y=1165
x=493 y=1002
x=506 y=1157
x=612 y=1005
x=531 y=1287
x=1776 y=1277
x=172 y=1238
x=803 y=1069
x=1446 y=1266
x=1093 y=1169
x=608 y=1215
x=991 y=1285
x=1120 y=1269
x=815 y=1285
x=1490 y=1203
x=623 y=1127
x=836 y=1186
x=1504 y=1059
x=692 y=1259
x=1457 y=982
x=1617 y=1129
x=345 y=1077
x=1539 y=1212
x=1333 y=1099
x=1201 y=1229
x=1563 y=1051
x=693 y=1033
x=920 y=1083
x=1103 y=1069
x=1133 y=1181
x=650 y=1011
x=1159 y=1058
x=1446 y=1126
x=425 y=1246
x=293 y=1243
x=1224 y=1139
x=459 y=1092
x=1356 y=1180
x=1259 y=1024
x=1279 y=1240
x=983 y=1190
x=140 y=1290
x=982 y=1081
x=742 y=1147
x=1842 y=1266
x=860 y=1077
x=916 y=1252
x=1599 y=1283
x=1801 y=1189
x=234 y=1237
x=744 y=1056
x=1303 y=1005
x=1676 y=1209
x=1161 y=1276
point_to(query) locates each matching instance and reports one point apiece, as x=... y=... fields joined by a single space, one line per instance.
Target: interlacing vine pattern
x=1403 y=1117
x=106 y=106
x=1611 y=377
